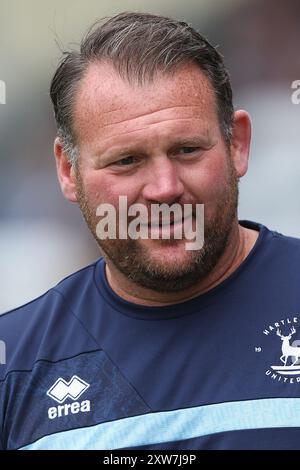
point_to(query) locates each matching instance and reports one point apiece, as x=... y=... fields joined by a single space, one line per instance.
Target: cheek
x=105 y=188
x=208 y=182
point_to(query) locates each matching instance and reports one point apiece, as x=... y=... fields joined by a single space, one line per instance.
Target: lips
x=164 y=224
x=168 y=222
x=161 y=223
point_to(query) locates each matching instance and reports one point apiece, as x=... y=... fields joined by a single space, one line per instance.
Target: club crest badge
x=284 y=364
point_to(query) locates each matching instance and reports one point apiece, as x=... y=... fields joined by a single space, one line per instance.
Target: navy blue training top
x=86 y=369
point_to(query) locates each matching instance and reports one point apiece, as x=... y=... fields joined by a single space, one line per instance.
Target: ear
x=240 y=145
x=65 y=172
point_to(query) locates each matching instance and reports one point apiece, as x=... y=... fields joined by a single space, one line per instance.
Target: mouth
x=169 y=222
x=163 y=224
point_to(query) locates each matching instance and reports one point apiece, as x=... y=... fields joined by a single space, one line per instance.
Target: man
x=156 y=346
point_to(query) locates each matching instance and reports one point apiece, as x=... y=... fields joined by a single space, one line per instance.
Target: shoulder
x=272 y=241
x=30 y=332
x=277 y=264
x=287 y=244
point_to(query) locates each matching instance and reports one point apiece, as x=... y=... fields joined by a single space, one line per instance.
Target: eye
x=187 y=150
x=126 y=161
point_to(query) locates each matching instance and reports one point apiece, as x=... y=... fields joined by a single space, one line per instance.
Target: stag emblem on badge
x=290 y=356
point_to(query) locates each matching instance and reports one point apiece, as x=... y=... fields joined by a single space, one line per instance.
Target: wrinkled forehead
x=104 y=100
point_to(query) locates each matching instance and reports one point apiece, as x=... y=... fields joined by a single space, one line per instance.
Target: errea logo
x=61 y=390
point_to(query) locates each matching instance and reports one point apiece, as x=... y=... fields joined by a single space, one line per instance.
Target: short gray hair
x=139 y=45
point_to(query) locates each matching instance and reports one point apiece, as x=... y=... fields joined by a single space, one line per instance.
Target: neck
x=241 y=241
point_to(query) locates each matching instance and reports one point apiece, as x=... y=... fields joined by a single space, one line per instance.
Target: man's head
x=139 y=45
x=145 y=111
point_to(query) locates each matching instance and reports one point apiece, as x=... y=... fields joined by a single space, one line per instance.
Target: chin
x=167 y=253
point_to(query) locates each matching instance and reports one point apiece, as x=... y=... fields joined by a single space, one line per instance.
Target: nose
x=164 y=184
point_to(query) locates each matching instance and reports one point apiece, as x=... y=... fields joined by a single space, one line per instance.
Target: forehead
x=107 y=105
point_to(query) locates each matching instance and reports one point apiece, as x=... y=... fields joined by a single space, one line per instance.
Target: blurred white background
x=42 y=237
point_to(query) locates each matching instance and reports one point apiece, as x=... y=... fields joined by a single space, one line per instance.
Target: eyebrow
x=204 y=141
x=118 y=152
